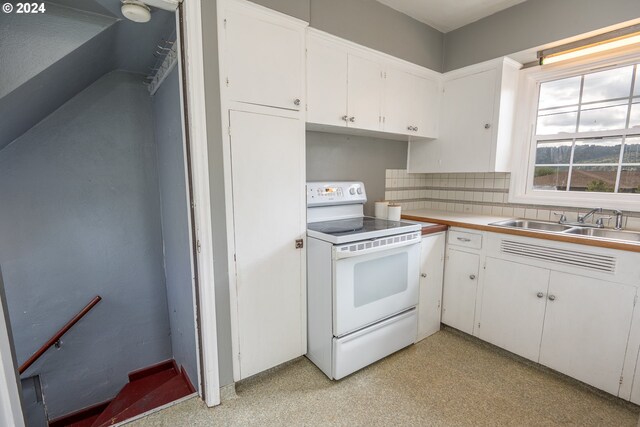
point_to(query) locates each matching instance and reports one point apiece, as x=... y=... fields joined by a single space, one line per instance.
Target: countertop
x=481 y=222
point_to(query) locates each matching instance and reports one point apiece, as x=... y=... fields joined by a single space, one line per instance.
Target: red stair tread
x=173 y=389
x=133 y=392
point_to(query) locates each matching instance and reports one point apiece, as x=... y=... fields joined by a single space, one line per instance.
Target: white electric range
x=362 y=280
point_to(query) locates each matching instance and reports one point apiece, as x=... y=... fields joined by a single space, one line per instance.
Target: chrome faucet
x=619 y=217
x=582 y=218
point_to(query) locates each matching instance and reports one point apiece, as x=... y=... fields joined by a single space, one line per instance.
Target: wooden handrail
x=56 y=337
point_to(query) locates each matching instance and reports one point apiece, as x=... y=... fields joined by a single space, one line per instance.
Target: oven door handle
x=349 y=254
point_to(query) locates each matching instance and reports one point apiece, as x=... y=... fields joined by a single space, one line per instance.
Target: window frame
x=524 y=138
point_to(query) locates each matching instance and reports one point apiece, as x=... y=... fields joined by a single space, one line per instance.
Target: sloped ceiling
x=49 y=58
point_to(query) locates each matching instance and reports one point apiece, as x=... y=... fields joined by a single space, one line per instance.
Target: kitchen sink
x=629 y=236
x=533 y=225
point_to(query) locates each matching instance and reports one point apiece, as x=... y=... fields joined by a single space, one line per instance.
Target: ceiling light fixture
x=136 y=11
x=592 y=45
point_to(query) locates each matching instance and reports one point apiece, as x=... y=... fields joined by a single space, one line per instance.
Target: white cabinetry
x=431 y=276
x=364 y=98
x=269 y=270
x=476 y=122
x=352 y=89
x=586 y=329
x=460 y=287
x=263 y=56
x=513 y=301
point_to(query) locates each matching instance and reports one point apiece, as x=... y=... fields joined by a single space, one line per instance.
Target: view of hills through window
x=588 y=133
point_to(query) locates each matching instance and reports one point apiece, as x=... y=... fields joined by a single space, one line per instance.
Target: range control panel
x=325 y=193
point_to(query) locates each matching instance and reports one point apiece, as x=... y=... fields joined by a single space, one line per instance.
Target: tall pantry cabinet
x=262 y=62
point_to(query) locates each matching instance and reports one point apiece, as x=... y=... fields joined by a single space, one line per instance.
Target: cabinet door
x=400 y=102
x=428 y=97
x=269 y=268
x=326 y=83
x=512 y=306
x=586 y=328
x=466 y=127
x=364 y=98
x=459 y=292
x=431 y=276
x=264 y=61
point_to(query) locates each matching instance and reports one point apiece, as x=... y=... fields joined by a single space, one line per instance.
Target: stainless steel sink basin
x=629 y=236
x=533 y=225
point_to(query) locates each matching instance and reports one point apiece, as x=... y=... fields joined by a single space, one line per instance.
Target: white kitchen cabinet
x=586 y=329
x=264 y=60
x=364 y=93
x=326 y=82
x=476 y=121
x=513 y=299
x=352 y=89
x=410 y=103
x=267 y=146
x=431 y=277
x=460 y=287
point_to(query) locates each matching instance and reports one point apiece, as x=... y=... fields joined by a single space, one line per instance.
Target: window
x=587 y=133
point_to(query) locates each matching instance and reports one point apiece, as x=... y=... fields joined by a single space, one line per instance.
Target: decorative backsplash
x=474 y=193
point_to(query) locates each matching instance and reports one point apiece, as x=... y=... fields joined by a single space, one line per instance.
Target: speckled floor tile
x=445 y=380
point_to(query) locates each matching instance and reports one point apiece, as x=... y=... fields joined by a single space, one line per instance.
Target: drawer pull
x=539 y=294
x=464 y=239
x=472 y=277
x=423 y=275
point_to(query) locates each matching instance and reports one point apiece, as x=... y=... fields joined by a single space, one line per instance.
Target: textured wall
x=175 y=224
x=531 y=24
x=343 y=157
x=80 y=216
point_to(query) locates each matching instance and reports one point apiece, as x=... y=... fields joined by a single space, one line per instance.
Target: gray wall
x=344 y=157
x=216 y=187
x=174 y=206
x=371 y=24
x=531 y=24
x=80 y=217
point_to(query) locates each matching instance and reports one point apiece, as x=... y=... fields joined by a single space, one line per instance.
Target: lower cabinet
x=586 y=329
x=460 y=286
x=574 y=324
x=512 y=306
x=431 y=276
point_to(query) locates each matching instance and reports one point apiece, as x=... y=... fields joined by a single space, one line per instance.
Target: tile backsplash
x=474 y=193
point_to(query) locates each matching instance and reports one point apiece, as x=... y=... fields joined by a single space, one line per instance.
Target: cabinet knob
x=552 y=297
x=352 y=119
x=409 y=127
x=539 y=294
x=345 y=118
x=296 y=101
x=415 y=128
x=423 y=274
x=472 y=277
x=487 y=126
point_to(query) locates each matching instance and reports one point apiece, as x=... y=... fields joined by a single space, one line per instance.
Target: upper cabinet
x=476 y=124
x=351 y=87
x=265 y=65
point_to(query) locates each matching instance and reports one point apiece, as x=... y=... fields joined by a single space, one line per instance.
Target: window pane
x=629 y=179
x=593 y=119
x=550 y=177
x=556 y=123
x=631 y=150
x=600 y=179
x=553 y=152
x=636 y=86
x=597 y=150
x=609 y=84
x=634 y=118
x=559 y=92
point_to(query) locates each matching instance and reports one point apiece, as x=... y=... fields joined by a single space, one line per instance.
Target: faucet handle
x=600 y=220
x=563 y=217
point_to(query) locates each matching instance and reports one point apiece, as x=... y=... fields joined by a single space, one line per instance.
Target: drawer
x=465 y=239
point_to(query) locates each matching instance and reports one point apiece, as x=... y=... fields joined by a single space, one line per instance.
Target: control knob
x=352 y=191
x=359 y=190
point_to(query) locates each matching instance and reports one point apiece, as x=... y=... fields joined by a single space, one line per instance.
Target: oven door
x=374 y=280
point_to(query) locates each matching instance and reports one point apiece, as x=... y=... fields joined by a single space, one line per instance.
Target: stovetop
x=354 y=229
